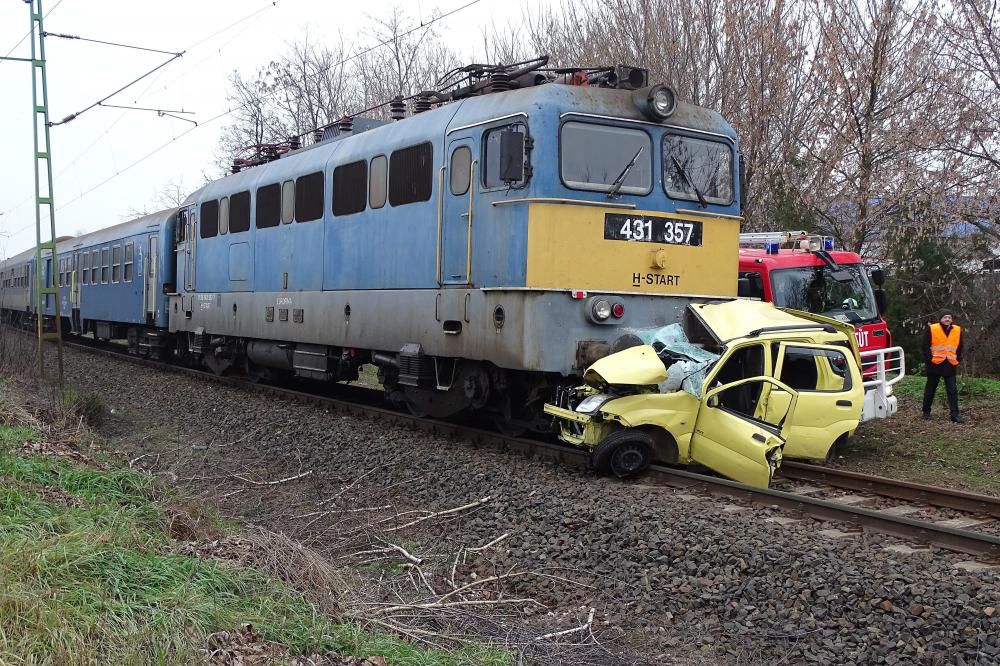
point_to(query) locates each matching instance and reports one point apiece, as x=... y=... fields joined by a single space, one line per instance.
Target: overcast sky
x=94 y=183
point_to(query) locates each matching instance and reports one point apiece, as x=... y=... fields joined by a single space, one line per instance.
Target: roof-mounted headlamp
x=656 y=102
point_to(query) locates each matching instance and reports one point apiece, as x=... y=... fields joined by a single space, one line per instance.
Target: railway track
x=948 y=534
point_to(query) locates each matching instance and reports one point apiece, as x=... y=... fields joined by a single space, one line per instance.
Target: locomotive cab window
x=500 y=155
x=239 y=212
x=377 y=181
x=603 y=158
x=350 y=188
x=116 y=262
x=461 y=163
x=210 y=219
x=697 y=170
x=268 y=206
x=411 y=174
x=129 y=259
x=309 y=197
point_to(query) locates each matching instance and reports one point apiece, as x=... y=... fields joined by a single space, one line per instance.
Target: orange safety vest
x=945 y=347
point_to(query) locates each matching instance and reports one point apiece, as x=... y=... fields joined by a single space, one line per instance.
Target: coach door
x=457 y=184
x=151 y=279
x=74 y=295
x=187 y=230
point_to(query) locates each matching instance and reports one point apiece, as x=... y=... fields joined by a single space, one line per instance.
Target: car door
x=731 y=441
x=831 y=395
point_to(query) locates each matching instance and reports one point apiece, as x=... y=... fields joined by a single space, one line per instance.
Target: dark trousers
x=950 y=387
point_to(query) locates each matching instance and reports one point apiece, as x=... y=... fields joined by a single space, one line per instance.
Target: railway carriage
x=477 y=253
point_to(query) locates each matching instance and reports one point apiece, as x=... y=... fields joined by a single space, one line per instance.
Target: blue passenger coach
x=477 y=252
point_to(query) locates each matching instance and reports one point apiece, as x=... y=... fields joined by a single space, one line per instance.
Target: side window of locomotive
x=309 y=197
x=210 y=219
x=461 y=162
x=491 y=157
x=268 y=206
x=690 y=163
x=223 y=215
x=288 y=202
x=350 y=188
x=377 y=181
x=129 y=260
x=239 y=212
x=116 y=262
x=592 y=157
x=105 y=265
x=411 y=174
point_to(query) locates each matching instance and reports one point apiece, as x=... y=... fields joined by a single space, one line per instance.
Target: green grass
x=86 y=577
x=936 y=451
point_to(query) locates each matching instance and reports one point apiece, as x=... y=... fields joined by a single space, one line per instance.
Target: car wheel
x=623 y=453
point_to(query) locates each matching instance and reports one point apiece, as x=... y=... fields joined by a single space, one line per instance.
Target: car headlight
x=592 y=403
x=601 y=310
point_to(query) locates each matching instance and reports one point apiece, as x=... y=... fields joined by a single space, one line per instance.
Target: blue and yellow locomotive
x=478 y=253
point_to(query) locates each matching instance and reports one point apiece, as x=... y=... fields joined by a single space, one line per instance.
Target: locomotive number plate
x=649 y=229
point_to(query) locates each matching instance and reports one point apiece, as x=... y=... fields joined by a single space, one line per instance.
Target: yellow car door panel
x=729 y=440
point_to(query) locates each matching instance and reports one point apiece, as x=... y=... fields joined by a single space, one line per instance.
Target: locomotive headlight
x=601 y=310
x=657 y=102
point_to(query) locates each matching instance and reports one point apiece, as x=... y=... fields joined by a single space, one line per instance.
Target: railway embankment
x=545 y=555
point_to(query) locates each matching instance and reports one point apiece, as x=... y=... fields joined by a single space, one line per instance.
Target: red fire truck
x=795 y=270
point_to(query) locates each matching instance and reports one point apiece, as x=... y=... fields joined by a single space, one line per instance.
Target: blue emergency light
x=827 y=244
x=771 y=247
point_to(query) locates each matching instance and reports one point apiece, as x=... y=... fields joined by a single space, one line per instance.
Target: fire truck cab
x=793 y=269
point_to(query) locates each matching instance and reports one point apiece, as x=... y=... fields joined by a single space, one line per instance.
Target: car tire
x=623 y=453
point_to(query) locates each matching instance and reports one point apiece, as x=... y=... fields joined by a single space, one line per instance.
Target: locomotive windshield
x=593 y=157
x=697 y=170
x=814 y=289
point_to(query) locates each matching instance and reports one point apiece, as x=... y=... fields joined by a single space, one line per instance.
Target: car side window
x=810 y=369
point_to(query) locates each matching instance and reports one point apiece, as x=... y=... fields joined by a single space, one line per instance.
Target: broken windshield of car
x=687 y=363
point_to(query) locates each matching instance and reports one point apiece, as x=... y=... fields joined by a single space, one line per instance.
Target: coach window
x=377 y=181
x=223 y=215
x=461 y=162
x=116 y=263
x=411 y=174
x=127 y=270
x=309 y=197
x=350 y=185
x=288 y=202
x=239 y=212
x=268 y=206
x=105 y=265
x=85 y=272
x=95 y=265
x=491 y=157
x=210 y=219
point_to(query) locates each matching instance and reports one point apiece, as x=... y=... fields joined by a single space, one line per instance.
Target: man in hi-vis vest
x=943 y=353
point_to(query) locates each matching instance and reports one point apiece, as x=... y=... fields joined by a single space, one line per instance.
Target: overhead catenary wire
x=421 y=25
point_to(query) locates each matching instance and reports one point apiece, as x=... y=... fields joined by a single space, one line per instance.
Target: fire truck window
x=309 y=197
x=268 y=206
x=411 y=174
x=350 y=188
x=239 y=212
x=210 y=219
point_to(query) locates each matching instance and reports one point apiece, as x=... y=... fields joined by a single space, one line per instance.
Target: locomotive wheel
x=623 y=453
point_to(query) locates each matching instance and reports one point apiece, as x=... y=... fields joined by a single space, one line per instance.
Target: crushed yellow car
x=734 y=387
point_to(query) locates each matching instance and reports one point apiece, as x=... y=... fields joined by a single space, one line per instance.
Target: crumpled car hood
x=637 y=366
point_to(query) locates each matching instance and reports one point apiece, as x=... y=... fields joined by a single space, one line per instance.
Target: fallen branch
x=488 y=545
x=438 y=514
x=583 y=627
x=271 y=483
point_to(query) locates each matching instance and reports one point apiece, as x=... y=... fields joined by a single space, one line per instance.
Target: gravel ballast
x=681 y=578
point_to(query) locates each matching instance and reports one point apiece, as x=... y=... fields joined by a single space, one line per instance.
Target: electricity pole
x=46 y=286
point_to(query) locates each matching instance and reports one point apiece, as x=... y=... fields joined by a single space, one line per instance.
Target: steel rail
x=949 y=538
x=886 y=487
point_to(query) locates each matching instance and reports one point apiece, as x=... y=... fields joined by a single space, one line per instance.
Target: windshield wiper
x=684 y=174
x=620 y=180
